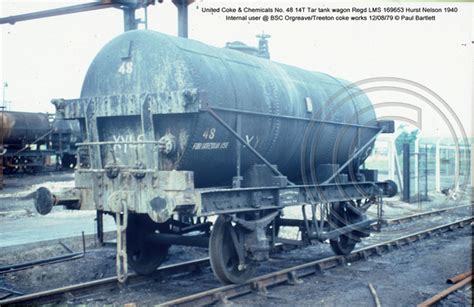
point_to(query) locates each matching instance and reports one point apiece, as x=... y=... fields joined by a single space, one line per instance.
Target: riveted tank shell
x=142 y=61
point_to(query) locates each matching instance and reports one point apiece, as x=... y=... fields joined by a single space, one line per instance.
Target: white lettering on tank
x=210 y=146
x=129 y=141
x=250 y=139
x=126 y=67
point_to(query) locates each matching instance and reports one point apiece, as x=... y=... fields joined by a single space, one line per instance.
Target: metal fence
x=434 y=165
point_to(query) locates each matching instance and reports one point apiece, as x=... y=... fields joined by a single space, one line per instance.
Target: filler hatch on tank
x=261 y=51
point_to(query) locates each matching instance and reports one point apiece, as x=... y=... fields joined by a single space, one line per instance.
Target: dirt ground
x=403 y=277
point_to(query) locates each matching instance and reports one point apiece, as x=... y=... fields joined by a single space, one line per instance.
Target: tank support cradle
x=122 y=260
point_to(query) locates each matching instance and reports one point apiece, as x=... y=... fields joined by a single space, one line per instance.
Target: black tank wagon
x=28 y=140
x=23 y=140
x=178 y=132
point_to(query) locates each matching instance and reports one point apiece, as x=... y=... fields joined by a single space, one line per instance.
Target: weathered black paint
x=140 y=62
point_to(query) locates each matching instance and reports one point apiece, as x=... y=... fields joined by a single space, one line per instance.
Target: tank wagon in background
x=28 y=140
x=190 y=144
x=64 y=136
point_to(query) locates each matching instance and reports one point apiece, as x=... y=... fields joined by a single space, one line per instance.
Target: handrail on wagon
x=116 y=143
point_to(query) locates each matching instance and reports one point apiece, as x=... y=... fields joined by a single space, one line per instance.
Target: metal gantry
x=129 y=8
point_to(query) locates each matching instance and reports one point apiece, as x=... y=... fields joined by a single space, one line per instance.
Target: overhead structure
x=59 y=11
x=127 y=6
x=182 y=6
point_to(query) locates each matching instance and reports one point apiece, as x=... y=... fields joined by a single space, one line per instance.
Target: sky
x=48 y=58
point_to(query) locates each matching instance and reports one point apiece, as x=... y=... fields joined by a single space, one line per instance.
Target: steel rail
x=111 y=283
x=104 y=284
x=51 y=260
x=292 y=275
x=407 y=218
x=27 y=265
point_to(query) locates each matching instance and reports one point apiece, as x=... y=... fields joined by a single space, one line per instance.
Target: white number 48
x=209 y=133
x=126 y=67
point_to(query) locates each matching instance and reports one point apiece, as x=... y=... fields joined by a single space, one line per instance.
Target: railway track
x=294 y=274
x=88 y=289
x=105 y=284
x=56 y=259
x=417 y=216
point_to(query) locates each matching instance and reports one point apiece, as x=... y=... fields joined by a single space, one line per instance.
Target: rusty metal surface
x=157 y=193
x=20 y=128
x=162 y=193
x=458 y=278
x=144 y=78
x=431 y=301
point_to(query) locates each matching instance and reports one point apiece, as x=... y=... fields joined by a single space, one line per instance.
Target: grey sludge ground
x=405 y=277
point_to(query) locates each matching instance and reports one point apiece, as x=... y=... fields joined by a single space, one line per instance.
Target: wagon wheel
x=10 y=166
x=340 y=217
x=31 y=169
x=143 y=256
x=223 y=254
x=28 y=170
x=68 y=161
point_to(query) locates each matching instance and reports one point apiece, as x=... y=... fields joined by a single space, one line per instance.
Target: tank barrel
x=16 y=128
